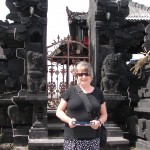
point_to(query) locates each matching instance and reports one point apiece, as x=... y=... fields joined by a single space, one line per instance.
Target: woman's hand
x=71 y=125
x=95 y=124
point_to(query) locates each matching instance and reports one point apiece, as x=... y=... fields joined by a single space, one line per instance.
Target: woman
x=71 y=108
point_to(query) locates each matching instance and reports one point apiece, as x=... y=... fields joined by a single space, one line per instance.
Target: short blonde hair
x=84 y=66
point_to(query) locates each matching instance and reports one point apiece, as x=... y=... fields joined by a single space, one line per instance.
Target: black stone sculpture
x=35 y=78
x=114 y=73
x=23 y=69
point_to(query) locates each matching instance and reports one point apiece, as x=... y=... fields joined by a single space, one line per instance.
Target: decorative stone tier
x=142 y=145
x=143 y=106
x=114 y=143
x=143 y=113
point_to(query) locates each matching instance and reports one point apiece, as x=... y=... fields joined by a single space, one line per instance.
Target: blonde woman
x=71 y=109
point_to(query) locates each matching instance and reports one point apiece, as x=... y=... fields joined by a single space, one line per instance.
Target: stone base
x=142 y=145
x=117 y=140
x=45 y=144
x=21 y=135
x=21 y=140
x=116 y=147
x=116 y=143
x=113 y=143
x=113 y=130
x=7 y=136
x=113 y=97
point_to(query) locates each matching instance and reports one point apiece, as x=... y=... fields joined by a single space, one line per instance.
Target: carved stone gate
x=62 y=56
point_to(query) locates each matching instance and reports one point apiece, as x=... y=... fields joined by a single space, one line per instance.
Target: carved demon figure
x=114 y=70
x=35 y=77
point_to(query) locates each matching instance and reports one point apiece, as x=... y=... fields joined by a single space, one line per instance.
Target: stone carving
x=19 y=33
x=20 y=115
x=114 y=74
x=27 y=8
x=35 y=73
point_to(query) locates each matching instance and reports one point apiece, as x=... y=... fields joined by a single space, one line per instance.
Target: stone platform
x=142 y=145
x=113 y=143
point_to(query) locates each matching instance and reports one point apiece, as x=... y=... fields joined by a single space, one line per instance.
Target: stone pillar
x=28 y=34
x=143 y=111
x=39 y=127
x=105 y=21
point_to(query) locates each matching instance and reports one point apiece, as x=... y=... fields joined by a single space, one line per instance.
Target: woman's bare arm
x=60 y=113
x=103 y=117
x=103 y=113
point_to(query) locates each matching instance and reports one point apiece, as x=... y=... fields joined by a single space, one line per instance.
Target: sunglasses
x=82 y=74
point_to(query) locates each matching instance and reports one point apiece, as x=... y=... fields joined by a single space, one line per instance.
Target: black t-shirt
x=76 y=109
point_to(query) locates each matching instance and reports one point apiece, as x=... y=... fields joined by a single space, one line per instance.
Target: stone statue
x=35 y=73
x=114 y=70
x=20 y=115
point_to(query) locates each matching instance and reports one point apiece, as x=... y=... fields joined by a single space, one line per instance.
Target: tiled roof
x=138 y=12
x=78 y=16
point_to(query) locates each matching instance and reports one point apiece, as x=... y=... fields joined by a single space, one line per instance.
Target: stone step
x=51 y=112
x=114 y=133
x=21 y=140
x=117 y=140
x=142 y=144
x=144 y=104
x=56 y=126
x=138 y=109
x=55 y=130
x=57 y=143
x=21 y=131
x=111 y=125
x=46 y=144
x=113 y=128
x=7 y=135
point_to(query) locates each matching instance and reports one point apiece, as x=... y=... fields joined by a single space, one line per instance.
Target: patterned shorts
x=92 y=144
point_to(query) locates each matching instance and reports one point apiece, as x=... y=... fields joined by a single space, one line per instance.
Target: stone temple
x=33 y=75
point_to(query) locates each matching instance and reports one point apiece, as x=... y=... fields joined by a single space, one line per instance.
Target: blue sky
x=57 y=17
